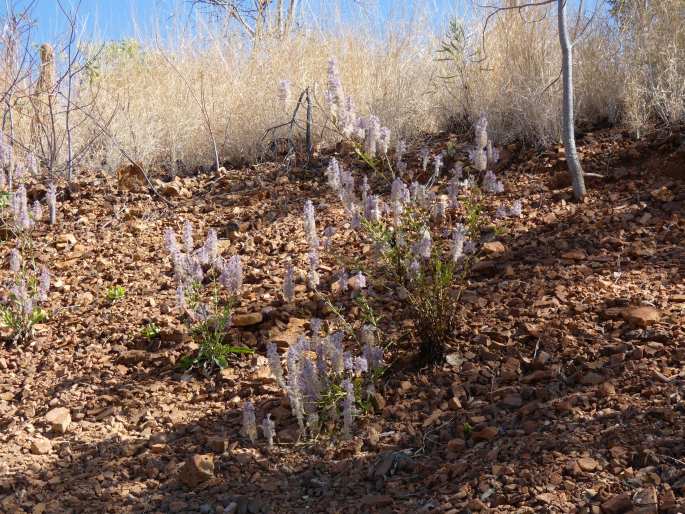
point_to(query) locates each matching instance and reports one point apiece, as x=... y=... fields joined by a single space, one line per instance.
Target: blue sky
x=118 y=19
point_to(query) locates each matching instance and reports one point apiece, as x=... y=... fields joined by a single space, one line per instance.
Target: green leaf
x=221 y=361
x=187 y=362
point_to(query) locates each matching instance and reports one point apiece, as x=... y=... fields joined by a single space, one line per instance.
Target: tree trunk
x=289 y=19
x=574 y=168
x=310 y=123
x=279 y=19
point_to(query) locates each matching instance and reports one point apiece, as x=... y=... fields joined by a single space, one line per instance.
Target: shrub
x=407 y=230
x=150 y=331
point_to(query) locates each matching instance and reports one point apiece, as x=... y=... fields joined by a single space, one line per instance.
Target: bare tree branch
x=497 y=10
x=256 y=17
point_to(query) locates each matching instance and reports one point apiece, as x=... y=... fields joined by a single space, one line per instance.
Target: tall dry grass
x=159 y=119
x=652 y=35
x=631 y=73
x=512 y=72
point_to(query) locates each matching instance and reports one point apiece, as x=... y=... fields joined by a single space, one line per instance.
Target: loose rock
x=41 y=446
x=197 y=469
x=641 y=317
x=247 y=320
x=59 y=419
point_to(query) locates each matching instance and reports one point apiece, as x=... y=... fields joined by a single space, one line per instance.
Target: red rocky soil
x=564 y=392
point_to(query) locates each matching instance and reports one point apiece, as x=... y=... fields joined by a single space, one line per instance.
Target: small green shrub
x=116 y=293
x=210 y=334
x=150 y=331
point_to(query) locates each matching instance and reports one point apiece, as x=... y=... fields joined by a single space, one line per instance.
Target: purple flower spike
x=52 y=203
x=349 y=410
x=44 y=284
x=275 y=364
x=424 y=246
x=249 y=422
x=15 y=261
x=284 y=93
x=269 y=430
x=232 y=275
x=310 y=225
x=289 y=284
x=188 y=243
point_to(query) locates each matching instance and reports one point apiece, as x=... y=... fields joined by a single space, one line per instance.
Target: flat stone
x=617 y=504
x=646 y=498
x=454 y=403
x=456 y=445
x=66 y=239
x=487 y=434
x=592 y=379
x=41 y=446
x=158 y=448
x=172 y=335
x=59 y=419
x=607 y=389
x=513 y=401
x=289 y=336
x=641 y=317
x=217 y=444
x=494 y=248
x=588 y=464
x=435 y=416
x=377 y=500
x=247 y=320
x=575 y=255
x=133 y=357
x=663 y=194
x=131 y=178
x=477 y=505
x=541 y=360
x=536 y=376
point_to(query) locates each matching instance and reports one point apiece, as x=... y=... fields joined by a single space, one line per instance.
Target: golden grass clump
x=653 y=44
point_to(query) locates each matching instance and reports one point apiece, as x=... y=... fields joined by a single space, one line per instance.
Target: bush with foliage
x=327 y=386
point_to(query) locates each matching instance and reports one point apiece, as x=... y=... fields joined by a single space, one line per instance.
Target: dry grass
x=161 y=121
x=653 y=46
x=632 y=74
x=513 y=75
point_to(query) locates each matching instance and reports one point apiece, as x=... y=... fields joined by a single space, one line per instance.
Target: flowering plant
x=13 y=173
x=20 y=310
x=370 y=140
x=326 y=383
x=199 y=272
x=427 y=242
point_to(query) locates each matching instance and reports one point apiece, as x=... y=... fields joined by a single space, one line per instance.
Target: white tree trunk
x=574 y=168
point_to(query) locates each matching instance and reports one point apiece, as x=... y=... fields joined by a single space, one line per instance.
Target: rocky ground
x=563 y=393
